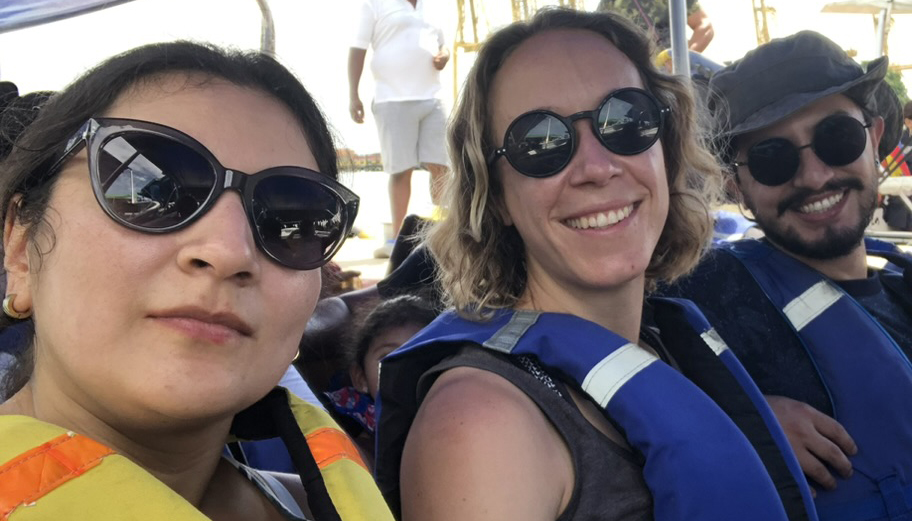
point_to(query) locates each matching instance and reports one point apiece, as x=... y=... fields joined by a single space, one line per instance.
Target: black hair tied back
x=16 y=113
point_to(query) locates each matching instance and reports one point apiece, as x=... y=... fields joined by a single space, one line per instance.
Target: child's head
x=387 y=327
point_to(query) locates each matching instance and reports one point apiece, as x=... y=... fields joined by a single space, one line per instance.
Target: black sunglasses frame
x=97 y=132
x=796 y=150
x=568 y=122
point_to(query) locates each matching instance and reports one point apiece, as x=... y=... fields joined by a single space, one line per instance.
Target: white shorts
x=412 y=133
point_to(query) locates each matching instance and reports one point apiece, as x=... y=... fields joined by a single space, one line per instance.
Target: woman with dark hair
x=163 y=313
x=556 y=390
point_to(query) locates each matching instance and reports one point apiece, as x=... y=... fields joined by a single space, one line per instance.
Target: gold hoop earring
x=297 y=354
x=10 y=309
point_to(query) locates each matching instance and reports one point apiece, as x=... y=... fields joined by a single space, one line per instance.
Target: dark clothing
x=608 y=479
x=414 y=276
x=763 y=340
x=886 y=306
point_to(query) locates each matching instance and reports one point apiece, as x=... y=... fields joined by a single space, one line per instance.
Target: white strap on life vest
x=714 y=341
x=616 y=369
x=810 y=304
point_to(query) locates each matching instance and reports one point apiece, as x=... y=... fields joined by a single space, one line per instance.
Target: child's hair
x=398 y=311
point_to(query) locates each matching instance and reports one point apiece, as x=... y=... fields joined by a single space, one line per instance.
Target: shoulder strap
x=338 y=484
x=47 y=472
x=688 y=443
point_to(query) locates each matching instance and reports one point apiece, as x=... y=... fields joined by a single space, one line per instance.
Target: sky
x=313 y=37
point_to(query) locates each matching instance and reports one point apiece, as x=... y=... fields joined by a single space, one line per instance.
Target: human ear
x=15 y=256
x=358 y=378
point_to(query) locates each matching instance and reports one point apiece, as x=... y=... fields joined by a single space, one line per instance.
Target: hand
x=817 y=439
x=441 y=59
x=356 y=108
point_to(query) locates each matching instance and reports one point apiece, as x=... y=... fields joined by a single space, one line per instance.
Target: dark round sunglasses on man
x=838 y=140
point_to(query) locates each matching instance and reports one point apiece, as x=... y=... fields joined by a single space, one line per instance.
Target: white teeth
x=822 y=205
x=600 y=219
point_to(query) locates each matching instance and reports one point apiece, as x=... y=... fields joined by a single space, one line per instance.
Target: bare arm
x=480 y=449
x=355 y=68
x=817 y=439
x=702 y=30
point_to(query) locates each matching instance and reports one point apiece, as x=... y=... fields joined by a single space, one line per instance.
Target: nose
x=591 y=163
x=221 y=243
x=812 y=173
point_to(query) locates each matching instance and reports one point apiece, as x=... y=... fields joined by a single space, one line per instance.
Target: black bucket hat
x=777 y=79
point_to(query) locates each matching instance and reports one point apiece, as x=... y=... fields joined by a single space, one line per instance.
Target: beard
x=836 y=242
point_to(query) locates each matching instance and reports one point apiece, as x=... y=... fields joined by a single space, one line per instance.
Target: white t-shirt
x=404 y=45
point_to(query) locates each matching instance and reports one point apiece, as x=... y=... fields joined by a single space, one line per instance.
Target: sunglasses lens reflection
x=538 y=144
x=299 y=221
x=628 y=122
x=155 y=183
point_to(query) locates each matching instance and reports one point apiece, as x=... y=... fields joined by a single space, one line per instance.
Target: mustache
x=802 y=194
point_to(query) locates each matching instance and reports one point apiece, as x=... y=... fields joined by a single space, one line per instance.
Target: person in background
x=652 y=16
x=167 y=293
x=385 y=328
x=408 y=55
x=555 y=389
x=826 y=337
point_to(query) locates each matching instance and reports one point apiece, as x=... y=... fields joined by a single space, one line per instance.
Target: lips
x=206 y=318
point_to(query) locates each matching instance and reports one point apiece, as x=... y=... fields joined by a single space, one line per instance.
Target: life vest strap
x=894 y=503
x=810 y=304
x=31 y=475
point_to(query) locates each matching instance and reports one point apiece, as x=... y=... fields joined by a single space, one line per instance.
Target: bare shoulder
x=481 y=449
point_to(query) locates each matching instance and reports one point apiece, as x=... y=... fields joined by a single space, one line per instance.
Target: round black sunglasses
x=541 y=143
x=155 y=179
x=838 y=140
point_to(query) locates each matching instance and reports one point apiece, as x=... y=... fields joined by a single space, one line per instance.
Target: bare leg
x=400 y=191
x=438 y=181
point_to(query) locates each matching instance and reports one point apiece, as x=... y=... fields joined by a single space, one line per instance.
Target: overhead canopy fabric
x=868 y=6
x=18 y=14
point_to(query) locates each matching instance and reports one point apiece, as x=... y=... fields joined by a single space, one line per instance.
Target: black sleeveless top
x=608 y=479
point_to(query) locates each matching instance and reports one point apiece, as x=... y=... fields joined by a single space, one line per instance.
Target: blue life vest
x=867 y=377
x=699 y=464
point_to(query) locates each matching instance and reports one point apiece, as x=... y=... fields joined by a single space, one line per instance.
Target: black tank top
x=608 y=480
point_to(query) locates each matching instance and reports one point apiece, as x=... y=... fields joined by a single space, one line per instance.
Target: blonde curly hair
x=481 y=260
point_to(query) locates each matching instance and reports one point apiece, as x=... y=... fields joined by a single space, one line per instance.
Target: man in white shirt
x=408 y=55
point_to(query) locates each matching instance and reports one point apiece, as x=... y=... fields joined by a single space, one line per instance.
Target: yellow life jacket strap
x=31 y=475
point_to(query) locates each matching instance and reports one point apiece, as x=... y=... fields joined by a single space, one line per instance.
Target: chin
x=204 y=399
x=614 y=275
